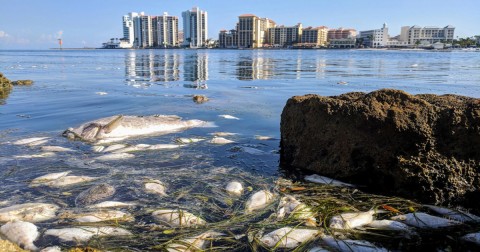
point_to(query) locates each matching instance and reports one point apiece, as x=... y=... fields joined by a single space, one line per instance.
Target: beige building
x=426 y=36
x=253 y=31
x=143 y=31
x=282 y=36
x=315 y=37
x=166 y=31
x=341 y=33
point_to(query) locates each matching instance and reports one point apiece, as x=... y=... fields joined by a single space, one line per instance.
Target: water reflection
x=195 y=67
x=152 y=67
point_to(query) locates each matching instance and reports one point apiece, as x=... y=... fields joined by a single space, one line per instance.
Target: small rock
x=200 y=99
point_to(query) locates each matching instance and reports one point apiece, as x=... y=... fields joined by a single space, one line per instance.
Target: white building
x=167 y=31
x=128 y=29
x=195 y=28
x=143 y=31
x=428 y=35
x=375 y=38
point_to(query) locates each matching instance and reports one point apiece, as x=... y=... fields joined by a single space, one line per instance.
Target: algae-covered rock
x=22 y=83
x=425 y=147
x=6 y=245
x=5 y=87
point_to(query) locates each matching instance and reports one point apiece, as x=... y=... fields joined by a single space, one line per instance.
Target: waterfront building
x=341 y=33
x=180 y=37
x=427 y=36
x=375 y=38
x=253 y=31
x=477 y=39
x=128 y=29
x=166 y=31
x=195 y=28
x=315 y=37
x=282 y=36
x=228 y=39
x=342 y=43
x=143 y=30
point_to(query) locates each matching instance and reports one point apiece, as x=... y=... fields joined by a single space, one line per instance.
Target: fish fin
x=113 y=124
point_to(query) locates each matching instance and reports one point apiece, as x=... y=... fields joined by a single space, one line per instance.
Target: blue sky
x=37 y=24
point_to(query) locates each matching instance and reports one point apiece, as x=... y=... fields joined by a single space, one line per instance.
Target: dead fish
x=223 y=134
x=155 y=186
x=177 y=218
x=263 y=138
x=229 y=117
x=423 y=220
x=352 y=245
x=48 y=178
x=192 y=244
x=258 y=200
x=326 y=181
x=32 y=140
x=116 y=128
x=52 y=249
x=98 y=216
x=291 y=207
x=114 y=147
x=95 y=193
x=352 y=220
x=41 y=155
x=115 y=156
x=318 y=249
x=185 y=140
x=220 y=140
x=146 y=147
x=98 y=148
x=457 y=215
x=288 y=237
x=31 y=212
x=83 y=234
x=21 y=233
x=248 y=150
x=234 y=188
x=68 y=181
x=110 y=204
x=472 y=237
x=50 y=148
x=390 y=225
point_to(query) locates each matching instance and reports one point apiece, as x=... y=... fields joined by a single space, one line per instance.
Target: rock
x=200 y=99
x=5 y=86
x=22 y=83
x=423 y=147
x=6 y=245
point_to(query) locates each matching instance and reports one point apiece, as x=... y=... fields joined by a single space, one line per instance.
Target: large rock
x=5 y=87
x=424 y=147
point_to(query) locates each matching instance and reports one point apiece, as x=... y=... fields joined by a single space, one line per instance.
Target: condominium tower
x=195 y=28
x=315 y=36
x=427 y=35
x=285 y=36
x=253 y=31
x=166 y=31
x=143 y=30
x=128 y=29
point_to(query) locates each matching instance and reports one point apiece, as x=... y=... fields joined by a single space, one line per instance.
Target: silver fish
x=290 y=207
x=21 y=233
x=177 y=218
x=31 y=212
x=472 y=237
x=258 y=200
x=457 y=215
x=352 y=220
x=191 y=244
x=97 y=216
x=391 y=225
x=288 y=237
x=234 y=188
x=326 y=181
x=117 y=128
x=83 y=234
x=352 y=245
x=423 y=220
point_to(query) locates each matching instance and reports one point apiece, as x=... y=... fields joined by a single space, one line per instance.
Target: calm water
x=252 y=85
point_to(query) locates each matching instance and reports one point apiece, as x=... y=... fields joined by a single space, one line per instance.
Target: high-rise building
x=316 y=37
x=167 y=31
x=253 y=31
x=285 y=36
x=128 y=29
x=195 y=28
x=375 y=38
x=143 y=30
x=228 y=39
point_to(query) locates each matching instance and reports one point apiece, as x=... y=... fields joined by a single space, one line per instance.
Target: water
x=252 y=85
